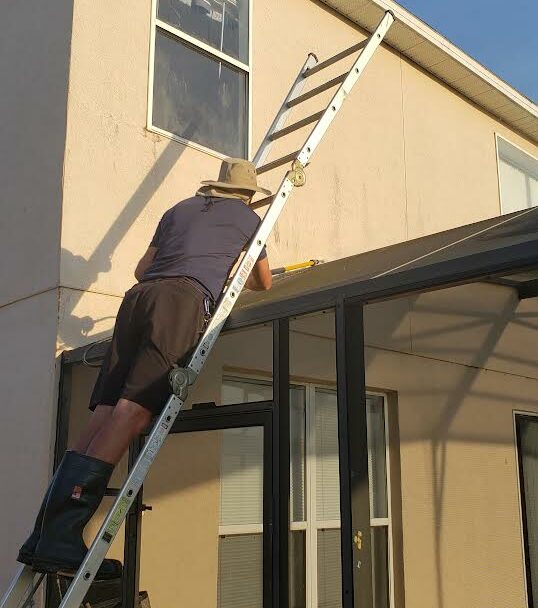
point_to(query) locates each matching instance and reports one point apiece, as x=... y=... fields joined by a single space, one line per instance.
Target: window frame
x=522 y=507
x=206 y=49
x=498 y=138
x=311 y=526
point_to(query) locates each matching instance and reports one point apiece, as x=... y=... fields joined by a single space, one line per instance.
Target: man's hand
x=145 y=262
x=260 y=278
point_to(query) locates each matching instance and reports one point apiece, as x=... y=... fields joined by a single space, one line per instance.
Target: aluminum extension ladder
x=26 y=582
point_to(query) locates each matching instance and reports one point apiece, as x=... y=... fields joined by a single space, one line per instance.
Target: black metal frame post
x=62 y=431
x=64 y=410
x=519 y=418
x=281 y=455
x=357 y=591
x=133 y=538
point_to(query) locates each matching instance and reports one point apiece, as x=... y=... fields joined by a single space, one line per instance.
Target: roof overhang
x=482 y=251
x=430 y=50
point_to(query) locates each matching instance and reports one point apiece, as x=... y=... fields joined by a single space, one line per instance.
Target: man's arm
x=260 y=278
x=145 y=262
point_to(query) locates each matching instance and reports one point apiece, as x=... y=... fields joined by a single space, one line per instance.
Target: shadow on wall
x=438 y=432
x=75 y=330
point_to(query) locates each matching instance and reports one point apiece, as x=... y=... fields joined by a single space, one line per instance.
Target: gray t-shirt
x=202 y=238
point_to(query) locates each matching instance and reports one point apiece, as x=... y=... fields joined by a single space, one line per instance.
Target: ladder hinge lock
x=180 y=379
x=297 y=175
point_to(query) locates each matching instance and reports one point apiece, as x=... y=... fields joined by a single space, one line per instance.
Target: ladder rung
x=277 y=163
x=297 y=125
x=312 y=93
x=325 y=64
x=262 y=202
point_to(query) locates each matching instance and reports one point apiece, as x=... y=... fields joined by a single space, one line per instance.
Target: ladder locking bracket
x=297 y=175
x=180 y=379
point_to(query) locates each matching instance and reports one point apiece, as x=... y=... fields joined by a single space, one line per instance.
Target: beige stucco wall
x=35 y=41
x=406 y=157
x=460 y=361
x=29 y=385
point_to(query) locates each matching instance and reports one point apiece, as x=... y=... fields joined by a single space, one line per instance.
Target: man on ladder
x=160 y=320
x=80 y=481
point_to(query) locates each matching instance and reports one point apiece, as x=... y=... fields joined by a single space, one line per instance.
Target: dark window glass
x=528 y=461
x=223 y=24
x=380 y=566
x=199 y=98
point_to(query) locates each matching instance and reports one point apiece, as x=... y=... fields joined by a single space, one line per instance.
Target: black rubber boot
x=26 y=552
x=74 y=497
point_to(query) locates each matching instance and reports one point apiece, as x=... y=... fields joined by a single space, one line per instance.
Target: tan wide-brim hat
x=237 y=174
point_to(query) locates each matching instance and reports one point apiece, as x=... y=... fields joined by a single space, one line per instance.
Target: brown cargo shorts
x=158 y=324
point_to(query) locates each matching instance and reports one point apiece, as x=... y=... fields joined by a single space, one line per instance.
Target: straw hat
x=237 y=174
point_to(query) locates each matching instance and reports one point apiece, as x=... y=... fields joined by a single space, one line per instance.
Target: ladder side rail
x=21 y=585
x=281 y=117
x=345 y=88
x=84 y=577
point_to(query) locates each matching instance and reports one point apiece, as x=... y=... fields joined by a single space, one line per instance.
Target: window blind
x=297 y=454
x=241 y=484
x=329 y=569
x=377 y=465
x=240 y=583
x=326 y=442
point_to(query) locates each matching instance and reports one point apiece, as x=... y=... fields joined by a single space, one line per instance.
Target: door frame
x=208 y=417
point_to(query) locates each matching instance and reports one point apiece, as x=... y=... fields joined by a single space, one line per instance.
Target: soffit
x=430 y=50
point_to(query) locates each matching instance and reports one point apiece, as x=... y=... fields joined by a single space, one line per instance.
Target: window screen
x=241 y=488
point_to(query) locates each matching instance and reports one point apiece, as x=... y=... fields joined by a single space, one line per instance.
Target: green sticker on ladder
x=117 y=519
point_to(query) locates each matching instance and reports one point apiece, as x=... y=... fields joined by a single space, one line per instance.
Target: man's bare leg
x=112 y=439
x=99 y=418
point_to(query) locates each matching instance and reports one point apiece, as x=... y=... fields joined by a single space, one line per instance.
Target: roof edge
x=473 y=81
x=432 y=35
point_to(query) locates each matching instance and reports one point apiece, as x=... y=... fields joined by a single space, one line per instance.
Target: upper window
x=199 y=85
x=518 y=177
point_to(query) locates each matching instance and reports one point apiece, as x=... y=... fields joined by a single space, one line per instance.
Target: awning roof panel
x=492 y=246
x=495 y=247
